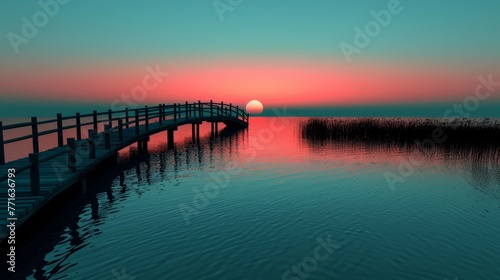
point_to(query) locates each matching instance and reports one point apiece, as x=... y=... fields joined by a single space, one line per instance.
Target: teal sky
x=139 y=29
x=456 y=39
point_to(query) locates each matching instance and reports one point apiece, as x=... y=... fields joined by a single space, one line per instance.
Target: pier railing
x=113 y=120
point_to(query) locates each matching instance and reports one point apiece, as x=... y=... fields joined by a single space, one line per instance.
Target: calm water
x=263 y=204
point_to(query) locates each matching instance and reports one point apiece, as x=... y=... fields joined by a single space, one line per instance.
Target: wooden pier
x=33 y=181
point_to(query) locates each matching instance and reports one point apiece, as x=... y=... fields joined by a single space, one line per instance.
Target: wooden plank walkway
x=55 y=176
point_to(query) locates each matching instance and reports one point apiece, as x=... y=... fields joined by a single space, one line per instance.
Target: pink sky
x=271 y=82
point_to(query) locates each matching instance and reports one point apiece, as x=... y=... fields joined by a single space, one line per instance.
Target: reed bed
x=474 y=137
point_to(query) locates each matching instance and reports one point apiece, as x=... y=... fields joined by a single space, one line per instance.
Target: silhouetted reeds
x=469 y=136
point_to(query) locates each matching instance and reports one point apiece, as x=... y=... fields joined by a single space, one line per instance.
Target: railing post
x=2 y=149
x=230 y=109
x=34 y=134
x=126 y=118
x=60 y=140
x=146 y=110
x=71 y=155
x=120 y=130
x=34 y=173
x=160 y=114
x=107 y=137
x=78 y=127
x=187 y=111
x=136 y=122
x=92 y=133
x=200 y=108
x=110 y=118
x=221 y=108
x=95 y=120
x=180 y=110
x=175 y=112
x=237 y=113
x=194 y=110
x=211 y=108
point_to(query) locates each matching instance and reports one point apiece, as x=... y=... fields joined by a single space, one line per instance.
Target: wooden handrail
x=124 y=119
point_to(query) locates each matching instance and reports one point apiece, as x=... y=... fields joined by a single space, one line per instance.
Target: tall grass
x=468 y=136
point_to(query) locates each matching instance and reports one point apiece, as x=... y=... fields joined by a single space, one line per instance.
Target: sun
x=254 y=107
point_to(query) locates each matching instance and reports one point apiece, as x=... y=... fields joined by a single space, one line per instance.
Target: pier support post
x=212 y=130
x=142 y=145
x=170 y=138
x=193 y=132
x=198 y=133
x=71 y=155
x=92 y=133
x=34 y=173
x=216 y=129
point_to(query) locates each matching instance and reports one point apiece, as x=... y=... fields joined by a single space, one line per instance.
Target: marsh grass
x=469 y=137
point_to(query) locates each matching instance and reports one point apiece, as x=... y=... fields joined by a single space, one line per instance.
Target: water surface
x=258 y=203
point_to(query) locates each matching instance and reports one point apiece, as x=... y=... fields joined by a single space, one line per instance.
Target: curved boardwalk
x=43 y=175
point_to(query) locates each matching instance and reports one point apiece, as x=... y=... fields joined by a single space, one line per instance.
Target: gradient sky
x=282 y=52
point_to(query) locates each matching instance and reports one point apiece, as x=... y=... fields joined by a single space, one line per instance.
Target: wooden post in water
x=34 y=173
x=193 y=132
x=78 y=127
x=2 y=149
x=34 y=134
x=170 y=139
x=60 y=140
x=92 y=133
x=198 y=133
x=107 y=138
x=120 y=130
x=71 y=155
